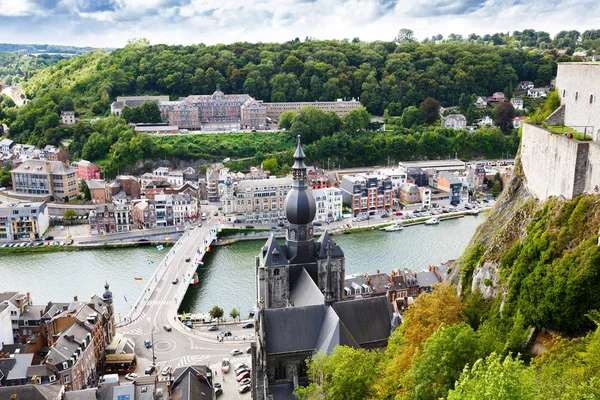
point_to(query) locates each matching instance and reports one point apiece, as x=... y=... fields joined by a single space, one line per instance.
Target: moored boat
x=432 y=221
x=398 y=226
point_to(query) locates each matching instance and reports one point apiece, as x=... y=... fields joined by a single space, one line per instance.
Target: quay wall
x=555 y=165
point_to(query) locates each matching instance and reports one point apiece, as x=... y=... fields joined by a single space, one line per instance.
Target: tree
x=356 y=120
x=270 y=164
x=85 y=190
x=430 y=109
x=504 y=115
x=445 y=354
x=69 y=214
x=494 y=378
x=345 y=374
x=287 y=119
x=5 y=177
x=404 y=36
x=234 y=313
x=412 y=116
x=464 y=101
x=216 y=313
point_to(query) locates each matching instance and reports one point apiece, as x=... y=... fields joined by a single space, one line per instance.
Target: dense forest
x=43 y=48
x=381 y=74
x=17 y=67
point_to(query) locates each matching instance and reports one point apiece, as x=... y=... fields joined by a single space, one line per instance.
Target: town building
x=259 y=200
x=143 y=213
x=109 y=218
x=68 y=117
x=99 y=192
x=174 y=209
x=526 y=85
x=425 y=194
x=497 y=97
x=340 y=107
x=367 y=194
x=38 y=178
x=88 y=170
x=455 y=121
x=300 y=288
x=23 y=220
x=535 y=93
x=409 y=193
x=485 y=121
x=130 y=184
x=157 y=129
x=133 y=101
x=398 y=176
x=481 y=102
x=6 y=146
x=518 y=121
x=329 y=204
x=53 y=153
x=517 y=103
x=318 y=178
x=174 y=177
x=451 y=184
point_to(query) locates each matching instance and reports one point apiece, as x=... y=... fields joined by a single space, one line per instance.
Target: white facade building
x=455 y=121
x=397 y=175
x=329 y=204
x=425 y=197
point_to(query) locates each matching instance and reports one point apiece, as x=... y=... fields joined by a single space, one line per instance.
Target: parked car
x=236 y=352
x=244 y=389
x=248 y=350
x=175 y=281
x=131 y=377
x=216 y=214
x=167 y=328
x=49 y=237
x=248 y=325
x=148 y=344
x=245 y=381
x=166 y=370
x=240 y=366
x=213 y=328
x=150 y=370
x=242 y=376
x=218 y=391
x=317 y=223
x=241 y=370
x=249 y=227
x=187 y=259
x=384 y=215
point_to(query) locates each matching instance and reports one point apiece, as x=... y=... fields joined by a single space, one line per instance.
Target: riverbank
x=79 y=247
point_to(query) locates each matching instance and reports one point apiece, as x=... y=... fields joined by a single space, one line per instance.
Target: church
x=299 y=299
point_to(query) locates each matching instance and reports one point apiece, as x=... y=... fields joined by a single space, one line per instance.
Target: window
x=280 y=371
x=66 y=379
x=65 y=365
x=276 y=270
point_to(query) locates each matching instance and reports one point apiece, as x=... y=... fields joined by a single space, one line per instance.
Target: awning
x=120 y=358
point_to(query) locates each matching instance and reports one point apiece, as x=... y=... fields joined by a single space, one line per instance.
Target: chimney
x=377 y=271
x=41 y=313
x=368 y=280
x=74 y=298
x=392 y=277
x=65 y=307
x=28 y=298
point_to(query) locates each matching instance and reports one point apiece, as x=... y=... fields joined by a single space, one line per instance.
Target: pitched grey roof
x=334 y=333
x=19 y=369
x=305 y=292
x=5 y=296
x=427 y=278
x=31 y=392
x=293 y=328
x=65 y=346
x=84 y=394
x=273 y=249
x=368 y=320
x=38 y=370
x=188 y=386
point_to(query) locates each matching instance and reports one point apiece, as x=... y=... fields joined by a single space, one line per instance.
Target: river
x=227 y=278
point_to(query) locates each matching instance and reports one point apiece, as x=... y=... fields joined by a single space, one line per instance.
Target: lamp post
x=153 y=356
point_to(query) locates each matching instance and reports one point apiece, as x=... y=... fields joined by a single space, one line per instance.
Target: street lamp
x=152 y=337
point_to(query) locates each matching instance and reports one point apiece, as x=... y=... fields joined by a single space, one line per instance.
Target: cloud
x=109 y=23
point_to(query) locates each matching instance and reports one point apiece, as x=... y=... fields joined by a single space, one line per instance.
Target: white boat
x=473 y=211
x=432 y=221
x=394 y=228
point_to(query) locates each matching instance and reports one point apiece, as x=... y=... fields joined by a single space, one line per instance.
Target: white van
x=203 y=216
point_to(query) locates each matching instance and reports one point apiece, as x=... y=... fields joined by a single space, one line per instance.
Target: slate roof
x=19 y=368
x=64 y=348
x=368 y=320
x=273 y=249
x=31 y=392
x=5 y=296
x=293 y=329
x=283 y=391
x=304 y=291
x=84 y=394
x=427 y=278
x=188 y=386
x=334 y=333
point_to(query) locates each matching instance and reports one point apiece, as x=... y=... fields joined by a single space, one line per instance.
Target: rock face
x=505 y=225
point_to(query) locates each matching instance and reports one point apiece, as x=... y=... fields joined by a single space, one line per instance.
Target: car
x=228 y=333
x=248 y=325
x=249 y=350
x=244 y=375
x=398 y=213
x=249 y=227
x=150 y=370
x=70 y=242
x=167 y=328
x=187 y=259
x=240 y=366
x=242 y=371
x=273 y=228
x=216 y=213
x=213 y=328
x=385 y=216
x=166 y=370
x=204 y=202
x=244 y=389
x=175 y=281
x=236 y=352
x=49 y=237
x=217 y=384
x=317 y=223
x=245 y=381
x=281 y=224
x=131 y=377
x=218 y=390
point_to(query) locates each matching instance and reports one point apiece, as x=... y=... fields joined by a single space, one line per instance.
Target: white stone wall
x=579 y=90
x=593 y=169
x=548 y=162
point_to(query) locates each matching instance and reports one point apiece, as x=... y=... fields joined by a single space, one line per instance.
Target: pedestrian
x=217 y=338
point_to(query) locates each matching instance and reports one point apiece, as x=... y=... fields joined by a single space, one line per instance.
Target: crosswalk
x=159 y=302
x=133 y=332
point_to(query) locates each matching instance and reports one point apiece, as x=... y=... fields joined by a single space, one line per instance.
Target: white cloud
x=109 y=23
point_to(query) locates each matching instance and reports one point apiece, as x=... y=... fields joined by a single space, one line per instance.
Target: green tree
x=216 y=313
x=412 y=116
x=494 y=378
x=69 y=214
x=445 y=354
x=287 y=119
x=404 y=36
x=234 y=313
x=356 y=120
x=430 y=108
x=5 y=177
x=85 y=190
x=270 y=164
x=345 y=374
x=464 y=101
x=504 y=113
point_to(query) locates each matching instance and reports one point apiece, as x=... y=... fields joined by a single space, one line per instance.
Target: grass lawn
x=567 y=129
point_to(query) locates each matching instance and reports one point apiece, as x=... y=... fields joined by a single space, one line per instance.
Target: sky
x=110 y=23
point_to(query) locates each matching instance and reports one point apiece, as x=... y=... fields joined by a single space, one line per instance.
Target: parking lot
x=228 y=380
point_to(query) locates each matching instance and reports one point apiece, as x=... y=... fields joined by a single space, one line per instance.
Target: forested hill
x=382 y=74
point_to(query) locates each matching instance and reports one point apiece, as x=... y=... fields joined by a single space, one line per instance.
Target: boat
x=473 y=211
x=398 y=226
x=432 y=221
x=159 y=247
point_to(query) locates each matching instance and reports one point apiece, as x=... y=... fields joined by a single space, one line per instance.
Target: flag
x=193 y=281
x=138 y=279
x=200 y=262
x=208 y=249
